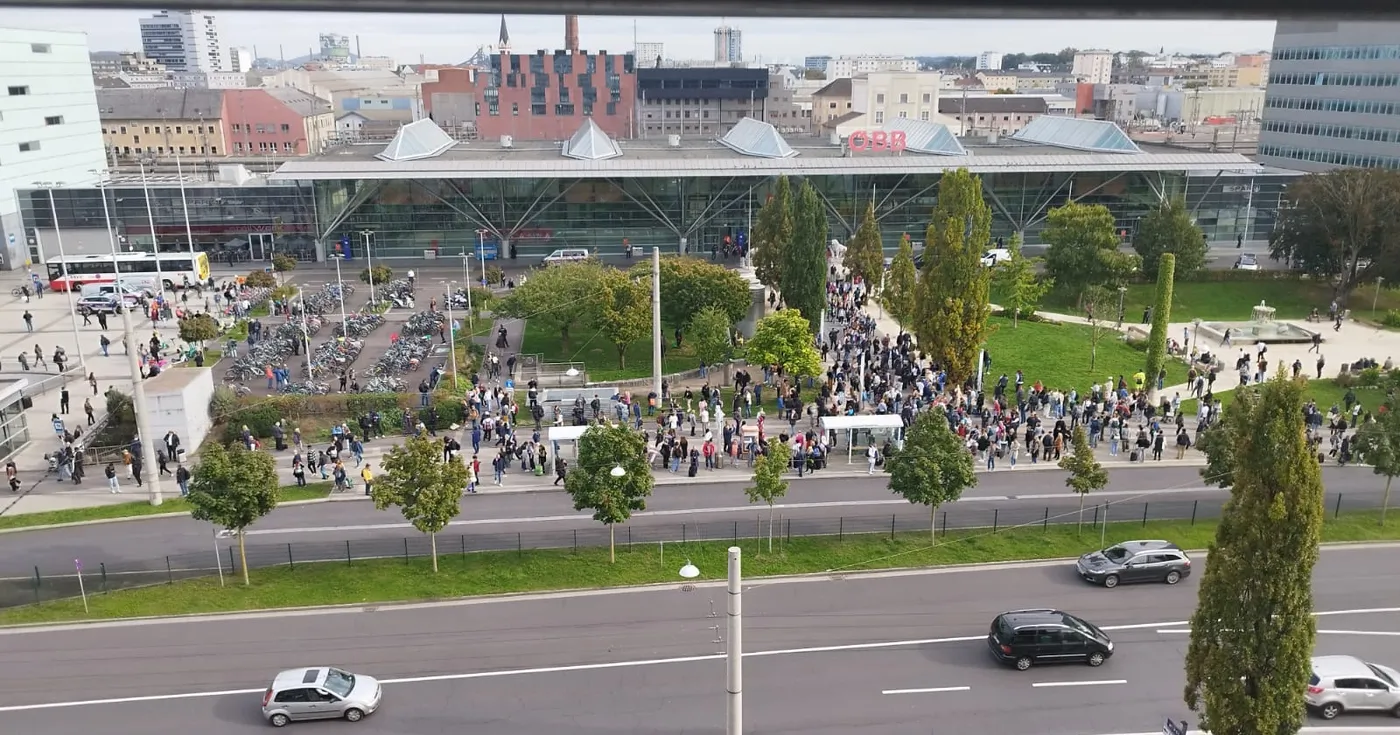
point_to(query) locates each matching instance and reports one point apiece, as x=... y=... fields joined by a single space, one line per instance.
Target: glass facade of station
x=445 y=218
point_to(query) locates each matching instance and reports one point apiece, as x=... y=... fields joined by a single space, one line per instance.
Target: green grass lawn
x=175 y=504
x=600 y=357
x=461 y=575
x=1235 y=300
x=1058 y=355
x=1326 y=392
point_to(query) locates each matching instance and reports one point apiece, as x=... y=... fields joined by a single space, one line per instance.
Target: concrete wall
x=179 y=401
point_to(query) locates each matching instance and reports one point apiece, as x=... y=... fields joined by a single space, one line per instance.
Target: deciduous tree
x=1334 y=220
x=1253 y=631
x=1086 y=475
x=593 y=486
x=771 y=234
x=233 y=488
x=1168 y=228
x=1161 y=317
x=1019 y=286
x=556 y=297
x=1378 y=444
x=783 y=339
x=621 y=309
x=803 y=280
x=901 y=286
x=427 y=490
x=197 y=329
x=933 y=467
x=1095 y=302
x=865 y=253
x=1083 y=249
x=708 y=333
x=953 y=304
x=769 y=479
x=689 y=285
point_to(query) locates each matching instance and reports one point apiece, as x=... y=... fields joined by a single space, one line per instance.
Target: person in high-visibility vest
x=368 y=477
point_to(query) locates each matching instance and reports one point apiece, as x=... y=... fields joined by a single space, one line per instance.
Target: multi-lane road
x=890 y=653
x=675 y=512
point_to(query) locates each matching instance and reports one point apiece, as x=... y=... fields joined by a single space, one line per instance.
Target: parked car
x=995 y=256
x=1348 y=684
x=1022 y=638
x=1247 y=262
x=320 y=693
x=1135 y=561
x=98 y=304
x=566 y=255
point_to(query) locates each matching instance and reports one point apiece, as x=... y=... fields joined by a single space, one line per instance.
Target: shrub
x=382 y=274
x=222 y=403
x=1346 y=380
x=1391 y=318
x=1369 y=378
x=494 y=275
x=284 y=292
x=198 y=328
x=260 y=279
x=282 y=263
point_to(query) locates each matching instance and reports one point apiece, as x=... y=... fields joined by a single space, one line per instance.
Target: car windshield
x=1247 y=259
x=339 y=682
x=1115 y=553
x=1081 y=626
x=1380 y=673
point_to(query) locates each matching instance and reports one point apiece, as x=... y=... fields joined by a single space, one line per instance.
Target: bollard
x=1096 y=514
x=892 y=517
x=1194 y=504
x=38 y=582
x=291 y=564
x=683 y=533
x=405 y=548
x=232 y=564
x=347 y=552
x=169 y=575
x=575 y=540
x=945 y=523
x=736 y=533
x=463 y=537
x=789 y=530
x=841 y=528
x=1338 y=511
x=1144 y=515
x=102 y=569
x=1045 y=526
x=519 y=545
x=629 y=538
x=996 y=519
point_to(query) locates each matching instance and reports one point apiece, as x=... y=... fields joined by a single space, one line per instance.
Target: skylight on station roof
x=758 y=139
x=417 y=140
x=926 y=137
x=590 y=143
x=1098 y=136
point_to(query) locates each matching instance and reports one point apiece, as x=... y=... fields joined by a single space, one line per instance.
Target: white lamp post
x=481 y=253
x=68 y=287
x=734 y=642
x=151 y=221
x=340 y=284
x=369 y=262
x=185 y=209
x=452 y=335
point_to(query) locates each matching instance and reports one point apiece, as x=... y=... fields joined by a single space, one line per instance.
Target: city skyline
x=454 y=38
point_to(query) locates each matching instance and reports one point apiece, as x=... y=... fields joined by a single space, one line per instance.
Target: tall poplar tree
x=901 y=285
x=1253 y=631
x=952 y=306
x=1161 y=317
x=803 y=279
x=865 y=253
x=772 y=232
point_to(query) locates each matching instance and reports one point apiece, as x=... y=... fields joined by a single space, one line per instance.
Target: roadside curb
x=124 y=519
x=823 y=576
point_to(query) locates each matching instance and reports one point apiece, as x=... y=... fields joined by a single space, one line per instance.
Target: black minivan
x=1021 y=638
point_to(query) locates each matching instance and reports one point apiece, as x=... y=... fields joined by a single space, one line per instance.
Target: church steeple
x=504 y=43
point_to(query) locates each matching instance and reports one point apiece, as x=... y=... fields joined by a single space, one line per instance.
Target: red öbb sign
x=862 y=141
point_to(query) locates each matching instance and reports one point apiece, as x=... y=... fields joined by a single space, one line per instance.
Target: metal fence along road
x=51 y=581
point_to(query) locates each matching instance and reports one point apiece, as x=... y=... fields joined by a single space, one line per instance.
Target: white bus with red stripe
x=137 y=270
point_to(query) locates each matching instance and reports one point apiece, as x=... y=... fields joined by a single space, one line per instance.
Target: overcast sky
x=454 y=38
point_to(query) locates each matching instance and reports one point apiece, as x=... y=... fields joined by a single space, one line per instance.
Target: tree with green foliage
x=769 y=478
x=1095 y=302
x=382 y=274
x=1086 y=475
x=427 y=490
x=783 y=339
x=197 y=329
x=556 y=298
x=865 y=253
x=1169 y=229
x=803 y=280
x=953 y=304
x=283 y=263
x=691 y=285
x=621 y=309
x=602 y=450
x=1021 y=288
x=1083 y=249
x=772 y=232
x=1377 y=443
x=1332 y=221
x=708 y=334
x=260 y=279
x=1161 y=317
x=1253 y=632
x=232 y=488
x=901 y=286
x=933 y=467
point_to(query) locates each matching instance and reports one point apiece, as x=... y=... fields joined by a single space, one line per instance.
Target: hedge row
x=259 y=413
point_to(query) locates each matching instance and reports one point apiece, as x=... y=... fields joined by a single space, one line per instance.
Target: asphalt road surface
x=675 y=512
x=822 y=656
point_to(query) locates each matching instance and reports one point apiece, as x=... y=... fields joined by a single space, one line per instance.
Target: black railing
x=56 y=581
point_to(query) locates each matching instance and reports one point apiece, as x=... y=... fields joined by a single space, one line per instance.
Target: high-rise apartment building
x=648 y=54
x=729 y=45
x=1333 y=96
x=816 y=63
x=49 y=129
x=183 y=40
x=1093 y=67
x=240 y=59
x=989 y=61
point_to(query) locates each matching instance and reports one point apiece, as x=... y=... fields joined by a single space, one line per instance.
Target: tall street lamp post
x=63 y=259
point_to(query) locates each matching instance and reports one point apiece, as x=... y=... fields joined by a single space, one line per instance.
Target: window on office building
x=29 y=146
x=17 y=91
x=53 y=120
x=40 y=48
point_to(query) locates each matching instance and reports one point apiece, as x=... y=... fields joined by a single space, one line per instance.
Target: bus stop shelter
x=864 y=429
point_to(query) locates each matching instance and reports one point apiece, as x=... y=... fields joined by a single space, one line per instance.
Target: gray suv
x=320 y=693
x=1135 y=561
x=1347 y=684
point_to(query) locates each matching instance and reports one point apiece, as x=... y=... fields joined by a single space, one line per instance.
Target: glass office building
x=427 y=197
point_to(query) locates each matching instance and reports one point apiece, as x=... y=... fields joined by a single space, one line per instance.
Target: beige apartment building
x=887 y=95
x=830 y=102
x=1224 y=76
x=187 y=121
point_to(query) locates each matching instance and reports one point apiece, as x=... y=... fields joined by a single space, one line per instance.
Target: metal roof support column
x=1201 y=200
x=1106 y=182
x=996 y=200
x=481 y=220
x=700 y=218
x=881 y=205
x=650 y=207
x=709 y=216
x=850 y=227
x=361 y=195
x=530 y=210
x=881 y=215
x=1034 y=218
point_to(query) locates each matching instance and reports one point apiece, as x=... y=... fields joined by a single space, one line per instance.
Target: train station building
x=428 y=196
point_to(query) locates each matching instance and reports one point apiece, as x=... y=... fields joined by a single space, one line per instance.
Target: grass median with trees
x=488 y=573
x=140 y=508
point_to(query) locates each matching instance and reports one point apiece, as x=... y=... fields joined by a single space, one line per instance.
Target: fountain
x=1263 y=326
x=1262 y=318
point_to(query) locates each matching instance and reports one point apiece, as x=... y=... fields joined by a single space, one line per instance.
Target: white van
x=129 y=294
x=566 y=255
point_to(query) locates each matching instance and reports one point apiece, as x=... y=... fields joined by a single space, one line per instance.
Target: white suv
x=1346 y=683
x=566 y=255
x=994 y=256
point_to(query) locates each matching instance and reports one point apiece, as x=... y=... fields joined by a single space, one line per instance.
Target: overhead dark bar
x=1077 y=9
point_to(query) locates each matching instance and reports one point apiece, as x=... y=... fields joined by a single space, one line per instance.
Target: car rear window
x=1313 y=680
x=1003 y=629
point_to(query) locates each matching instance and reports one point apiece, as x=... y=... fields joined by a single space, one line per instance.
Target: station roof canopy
x=1080 y=134
x=415 y=141
x=590 y=143
x=752 y=137
x=927 y=137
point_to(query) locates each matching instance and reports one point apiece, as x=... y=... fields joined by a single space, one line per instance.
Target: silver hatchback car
x=320 y=693
x=1347 y=684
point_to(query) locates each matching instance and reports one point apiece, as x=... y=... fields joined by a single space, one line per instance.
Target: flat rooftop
x=697 y=157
